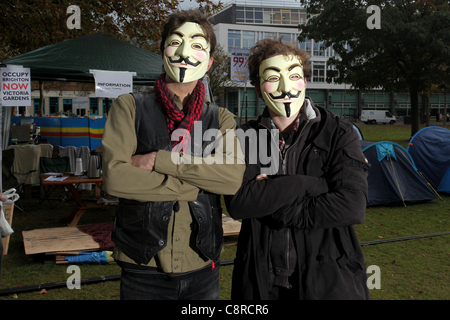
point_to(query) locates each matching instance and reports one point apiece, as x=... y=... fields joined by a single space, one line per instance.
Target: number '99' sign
x=239 y=67
x=240 y=62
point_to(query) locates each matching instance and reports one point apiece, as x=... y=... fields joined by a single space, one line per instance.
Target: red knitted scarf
x=176 y=118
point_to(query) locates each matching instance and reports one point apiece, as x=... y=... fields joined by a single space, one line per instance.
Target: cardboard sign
x=16 y=87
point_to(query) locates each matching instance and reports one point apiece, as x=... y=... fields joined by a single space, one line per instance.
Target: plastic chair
x=54 y=194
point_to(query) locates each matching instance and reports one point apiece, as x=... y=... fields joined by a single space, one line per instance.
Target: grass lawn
x=414 y=269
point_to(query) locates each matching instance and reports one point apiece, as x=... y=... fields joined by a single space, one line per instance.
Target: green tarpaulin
x=71 y=60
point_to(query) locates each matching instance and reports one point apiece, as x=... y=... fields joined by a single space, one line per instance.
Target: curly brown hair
x=267 y=48
x=179 y=18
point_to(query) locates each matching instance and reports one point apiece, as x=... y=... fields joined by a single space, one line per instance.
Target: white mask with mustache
x=186 y=53
x=282 y=84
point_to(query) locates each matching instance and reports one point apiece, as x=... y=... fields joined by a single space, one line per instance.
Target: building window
x=318 y=71
x=319 y=50
x=36 y=105
x=306 y=46
x=240 y=11
x=248 y=39
x=270 y=35
x=267 y=16
x=67 y=105
x=53 y=103
x=285 y=16
x=93 y=106
x=270 y=16
x=249 y=15
x=276 y=16
x=285 y=37
x=303 y=18
x=234 y=39
x=258 y=15
x=294 y=16
x=105 y=109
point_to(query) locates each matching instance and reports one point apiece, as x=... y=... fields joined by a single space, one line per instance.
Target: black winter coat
x=322 y=196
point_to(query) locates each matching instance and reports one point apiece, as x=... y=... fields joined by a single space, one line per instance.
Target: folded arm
x=219 y=173
x=298 y=201
x=120 y=177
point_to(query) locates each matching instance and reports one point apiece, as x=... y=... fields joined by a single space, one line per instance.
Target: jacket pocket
x=354 y=260
x=354 y=174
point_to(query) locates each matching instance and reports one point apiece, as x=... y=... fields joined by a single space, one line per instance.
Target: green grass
x=414 y=269
x=397 y=133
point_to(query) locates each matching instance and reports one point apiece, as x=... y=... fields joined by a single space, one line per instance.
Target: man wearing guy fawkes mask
x=297 y=239
x=168 y=230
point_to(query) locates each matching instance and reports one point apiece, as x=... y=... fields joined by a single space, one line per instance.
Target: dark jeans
x=200 y=285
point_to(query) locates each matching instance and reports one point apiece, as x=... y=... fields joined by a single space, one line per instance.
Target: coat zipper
x=284 y=169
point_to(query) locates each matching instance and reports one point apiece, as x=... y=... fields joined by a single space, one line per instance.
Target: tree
x=444 y=87
x=403 y=55
x=219 y=74
x=27 y=25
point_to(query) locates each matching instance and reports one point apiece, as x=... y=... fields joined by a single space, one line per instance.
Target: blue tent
x=358 y=131
x=430 y=149
x=393 y=178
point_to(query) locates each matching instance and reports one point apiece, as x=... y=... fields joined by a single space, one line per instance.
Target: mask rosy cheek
x=299 y=85
x=269 y=87
x=170 y=51
x=201 y=56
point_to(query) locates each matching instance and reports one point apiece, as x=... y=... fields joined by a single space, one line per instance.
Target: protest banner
x=16 y=86
x=239 y=65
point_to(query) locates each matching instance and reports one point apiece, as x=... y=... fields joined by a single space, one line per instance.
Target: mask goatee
x=287 y=106
x=182 y=72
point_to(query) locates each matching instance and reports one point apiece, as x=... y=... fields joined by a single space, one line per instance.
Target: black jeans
x=199 y=285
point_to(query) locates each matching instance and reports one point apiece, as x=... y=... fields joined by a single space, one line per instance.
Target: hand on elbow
x=144 y=161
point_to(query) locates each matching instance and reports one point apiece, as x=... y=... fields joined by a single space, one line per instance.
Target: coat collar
x=323 y=124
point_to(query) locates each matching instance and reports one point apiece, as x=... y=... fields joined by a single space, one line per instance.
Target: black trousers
x=199 y=285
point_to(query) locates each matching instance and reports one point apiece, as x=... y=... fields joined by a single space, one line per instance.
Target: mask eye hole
x=175 y=43
x=272 y=79
x=197 y=46
x=295 y=77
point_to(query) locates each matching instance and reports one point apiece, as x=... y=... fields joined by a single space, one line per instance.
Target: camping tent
x=358 y=131
x=393 y=178
x=430 y=149
x=71 y=60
